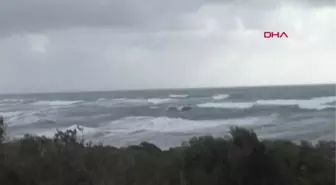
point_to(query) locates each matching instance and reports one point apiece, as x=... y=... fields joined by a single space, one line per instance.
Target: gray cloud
x=101 y=45
x=36 y=15
x=21 y=16
x=312 y=3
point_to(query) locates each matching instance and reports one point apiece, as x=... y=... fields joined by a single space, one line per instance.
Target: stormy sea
x=168 y=117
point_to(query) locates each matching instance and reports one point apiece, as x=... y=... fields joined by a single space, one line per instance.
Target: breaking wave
x=138 y=124
x=318 y=103
x=227 y=105
x=220 y=96
x=159 y=100
x=129 y=101
x=15 y=101
x=11 y=100
x=100 y=101
x=20 y=118
x=57 y=102
x=178 y=95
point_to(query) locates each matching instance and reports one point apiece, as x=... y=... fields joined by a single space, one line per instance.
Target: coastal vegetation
x=239 y=159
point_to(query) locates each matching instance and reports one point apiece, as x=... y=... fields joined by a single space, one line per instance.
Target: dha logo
x=270 y=35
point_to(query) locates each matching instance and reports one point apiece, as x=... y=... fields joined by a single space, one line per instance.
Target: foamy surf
x=131 y=124
x=31 y=116
x=143 y=124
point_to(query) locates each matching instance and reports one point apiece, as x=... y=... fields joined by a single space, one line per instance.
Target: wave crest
x=57 y=102
x=318 y=103
x=178 y=95
x=220 y=96
x=159 y=100
x=227 y=105
x=165 y=124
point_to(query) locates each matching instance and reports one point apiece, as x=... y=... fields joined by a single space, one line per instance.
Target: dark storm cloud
x=21 y=16
x=37 y=15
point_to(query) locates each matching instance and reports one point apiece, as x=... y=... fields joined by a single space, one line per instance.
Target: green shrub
x=241 y=159
x=2 y=130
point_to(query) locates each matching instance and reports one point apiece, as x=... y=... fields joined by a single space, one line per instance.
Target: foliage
x=2 y=129
x=241 y=159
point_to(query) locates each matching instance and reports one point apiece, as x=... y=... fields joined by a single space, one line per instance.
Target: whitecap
x=178 y=95
x=26 y=117
x=117 y=102
x=10 y=114
x=15 y=101
x=227 y=105
x=101 y=99
x=220 y=96
x=159 y=100
x=318 y=103
x=57 y=102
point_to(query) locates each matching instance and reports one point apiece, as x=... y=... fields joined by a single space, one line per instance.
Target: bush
x=241 y=159
x=2 y=130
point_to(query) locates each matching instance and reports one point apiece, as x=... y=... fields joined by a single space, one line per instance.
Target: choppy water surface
x=129 y=117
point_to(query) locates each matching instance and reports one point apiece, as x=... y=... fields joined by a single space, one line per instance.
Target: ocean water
x=122 y=118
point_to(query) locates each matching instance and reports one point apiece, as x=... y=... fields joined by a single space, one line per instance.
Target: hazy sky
x=69 y=45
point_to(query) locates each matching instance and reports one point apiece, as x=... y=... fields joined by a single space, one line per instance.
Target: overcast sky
x=71 y=45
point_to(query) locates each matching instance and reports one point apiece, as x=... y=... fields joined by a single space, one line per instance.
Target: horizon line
x=167 y=88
